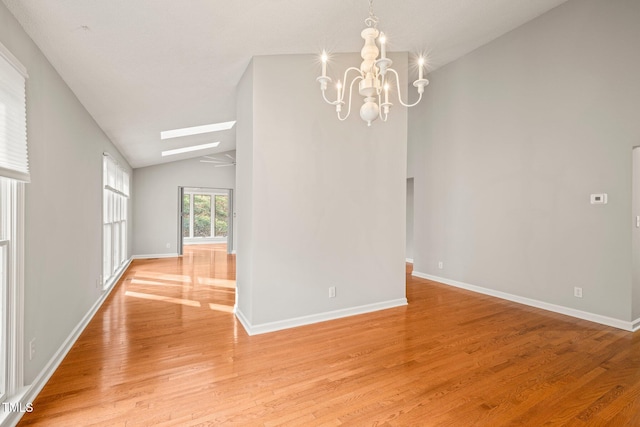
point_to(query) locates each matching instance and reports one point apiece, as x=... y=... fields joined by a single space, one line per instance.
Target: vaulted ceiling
x=145 y=66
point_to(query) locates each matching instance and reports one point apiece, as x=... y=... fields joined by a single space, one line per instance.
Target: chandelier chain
x=372 y=20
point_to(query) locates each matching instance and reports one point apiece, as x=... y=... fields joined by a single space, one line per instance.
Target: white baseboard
x=409 y=260
x=263 y=328
x=584 y=315
x=30 y=392
x=150 y=256
x=243 y=319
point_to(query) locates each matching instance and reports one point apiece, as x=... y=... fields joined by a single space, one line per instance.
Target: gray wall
x=155 y=201
x=513 y=139
x=328 y=197
x=63 y=247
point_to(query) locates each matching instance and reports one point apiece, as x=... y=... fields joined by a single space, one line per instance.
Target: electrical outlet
x=332 y=292
x=32 y=349
x=577 y=292
x=168 y=245
x=440 y=265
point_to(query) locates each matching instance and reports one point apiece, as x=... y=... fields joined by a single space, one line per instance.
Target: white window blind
x=14 y=161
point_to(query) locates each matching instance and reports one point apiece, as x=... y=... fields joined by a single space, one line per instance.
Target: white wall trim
x=592 y=317
x=16 y=336
x=409 y=260
x=636 y=325
x=11 y=59
x=116 y=276
x=263 y=328
x=31 y=391
x=10 y=418
x=149 y=256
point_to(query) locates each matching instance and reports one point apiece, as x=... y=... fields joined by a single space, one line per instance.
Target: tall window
x=14 y=172
x=4 y=280
x=7 y=281
x=115 y=198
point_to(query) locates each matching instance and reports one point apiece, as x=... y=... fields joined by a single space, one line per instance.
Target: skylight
x=188 y=149
x=196 y=130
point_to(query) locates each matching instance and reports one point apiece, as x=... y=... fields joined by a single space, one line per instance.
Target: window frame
x=115 y=197
x=12 y=236
x=4 y=330
x=14 y=174
x=191 y=239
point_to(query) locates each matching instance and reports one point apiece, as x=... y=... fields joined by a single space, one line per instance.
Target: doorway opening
x=409 y=223
x=206 y=218
x=635 y=235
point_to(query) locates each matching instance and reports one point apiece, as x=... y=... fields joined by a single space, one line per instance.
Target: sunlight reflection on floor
x=231 y=284
x=152 y=297
x=221 y=307
x=136 y=281
x=206 y=282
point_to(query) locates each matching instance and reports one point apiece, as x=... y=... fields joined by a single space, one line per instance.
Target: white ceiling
x=144 y=66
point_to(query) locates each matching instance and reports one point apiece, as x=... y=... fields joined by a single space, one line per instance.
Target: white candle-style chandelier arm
x=324 y=96
x=339 y=103
x=355 y=79
x=384 y=112
x=358 y=77
x=420 y=92
x=357 y=70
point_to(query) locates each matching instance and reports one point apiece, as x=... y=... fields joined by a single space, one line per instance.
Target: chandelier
x=373 y=77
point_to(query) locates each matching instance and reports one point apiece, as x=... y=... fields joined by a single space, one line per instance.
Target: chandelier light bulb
x=324 y=59
x=374 y=75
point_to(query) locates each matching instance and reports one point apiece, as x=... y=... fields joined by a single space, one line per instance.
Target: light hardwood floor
x=165 y=350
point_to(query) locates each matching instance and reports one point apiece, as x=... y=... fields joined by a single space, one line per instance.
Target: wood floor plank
x=166 y=350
